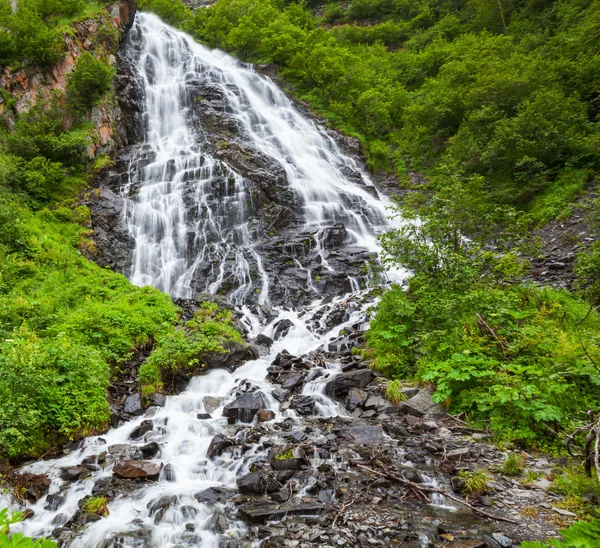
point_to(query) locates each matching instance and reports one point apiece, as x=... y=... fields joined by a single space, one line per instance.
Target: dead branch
x=426 y=489
x=484 y=325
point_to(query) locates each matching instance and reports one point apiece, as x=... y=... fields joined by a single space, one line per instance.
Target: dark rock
x=157 y=399
x=421 y=405
x=212 y=495
x=340 y=386
x=355 y=398
x=137 y=469
x=219 y=523
x=133 y=405
x=144 y=427
x=74 y=473
x=53 y=502
x=245 y=407
x=292 y=380
x=253 y=483
x=303 y=405
x=364 y=434
x=263 y=340
x=158 y=506
x=279 y=394
x=150 y=450
x=211 y=403
x=335 y=236
x=287 y=457
x=282 y=328
x=204 y=416
x=218 y=445
x=262 y=512
x=265 y=415
x=168 y=473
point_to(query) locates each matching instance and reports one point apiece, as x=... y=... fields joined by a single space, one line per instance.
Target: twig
x=484 y=324
x=343 y=509
x=592 y=307
x=426 y=489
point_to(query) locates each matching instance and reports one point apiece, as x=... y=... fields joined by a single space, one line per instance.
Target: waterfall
x=190 y=209
x=195 y=218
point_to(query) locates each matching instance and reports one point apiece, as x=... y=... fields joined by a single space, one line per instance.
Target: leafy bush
x=514 y=465
x=582 y=534
x=393 y=392
x=18 y=540
x=186 y=349
x=89 y=81
x=475 y=483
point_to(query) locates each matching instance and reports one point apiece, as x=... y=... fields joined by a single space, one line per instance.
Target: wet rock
x=364 y=434
x=340 y=386
x=458 y=454
x=265 y=415
x=282 y=328
x=303 y=405
x=211 y=403
x=137 y=469
x=281 y=496
x=421 y=405
x=144 y=427
x=218 y=445
x=262 y=512
x=150 y=450
x=287 y=457
x=133 y=405
x=335 y=236
x=355 y=398
x=53 y=502
x=74 y=473
x=291 y=380
x=132 y=539
x=245 y=407
x=33 y=486
x=157 y=399
x=168 y=473
x=409 y=392
x=158 y=507
x=279 y=394
x=263 y=340
x=219 y=523
x=258 y=482
x=467 y=544
x=212 y=495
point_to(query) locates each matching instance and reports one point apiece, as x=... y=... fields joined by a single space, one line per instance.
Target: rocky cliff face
x=32 y=86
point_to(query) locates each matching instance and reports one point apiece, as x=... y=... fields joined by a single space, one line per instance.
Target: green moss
x=95 y=505
x=285 y=456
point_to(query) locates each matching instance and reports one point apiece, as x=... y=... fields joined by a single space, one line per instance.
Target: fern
x=583 y=534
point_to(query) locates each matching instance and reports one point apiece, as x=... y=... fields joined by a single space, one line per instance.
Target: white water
x=157 y=216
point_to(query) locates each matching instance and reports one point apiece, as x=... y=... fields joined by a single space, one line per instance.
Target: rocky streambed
x=298 y=447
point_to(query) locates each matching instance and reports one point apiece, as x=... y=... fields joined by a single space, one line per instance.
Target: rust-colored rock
x=264 y=415
x=137 y=469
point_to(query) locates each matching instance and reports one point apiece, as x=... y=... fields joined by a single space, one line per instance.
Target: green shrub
x=89 y=81
x=582 y=534
x=475 y=483
x=393 y=392
x=514 y=465
x=18 y=540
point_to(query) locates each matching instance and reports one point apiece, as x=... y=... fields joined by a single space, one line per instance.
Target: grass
x=476 y=483
x=394 y=393
x=513 y=465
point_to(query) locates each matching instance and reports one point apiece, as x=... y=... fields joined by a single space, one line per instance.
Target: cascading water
x=175 y=167
x=189 y=212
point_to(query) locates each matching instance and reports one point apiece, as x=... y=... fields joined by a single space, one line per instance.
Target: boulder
x=355 y=398
x=340 y=386
x=260 y=512
x=282 y=328
x=287 y=457
x=133 y=405
x=218 y=445
x=280 y=394
x=124 y=451
x=74 y=473
x=258 y=482
x=303 y=405
x=53 y=502
x=211 y=403
x=291 y=380
x=245 y=407
x=265 y=415
x=263 y=340
x=421 y=405
x=137 y=469
x=144 y=427
x=204 y=416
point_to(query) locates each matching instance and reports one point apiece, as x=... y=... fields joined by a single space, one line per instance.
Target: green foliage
x=172 y=12
x=89 y=81
x=393 y=392
x=446 y=86
x=476 y=483
x=583 y=534
x=95 y=505
x=185 y=349
x=514 y=465
x=18 y=540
